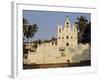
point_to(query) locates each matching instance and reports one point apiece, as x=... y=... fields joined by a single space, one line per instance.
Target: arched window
x=71 y=37
x=56 y=43
x=60 y=30
x=67 y=44
x=59 y=37
x=67 y=37
x=67 y=23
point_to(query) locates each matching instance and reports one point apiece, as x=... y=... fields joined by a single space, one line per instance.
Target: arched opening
x=67 y=37
x=71 y=37
x=67 y=23
x=67 y=44
x=60 y=30
x=59 y=37
x=68 y=61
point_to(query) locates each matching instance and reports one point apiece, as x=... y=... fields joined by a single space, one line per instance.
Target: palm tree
x=29 y=31
x=25 y=24
x=87 y=34
x=81 y=25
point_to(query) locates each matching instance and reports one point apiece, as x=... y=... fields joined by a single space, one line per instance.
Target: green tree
x=46 y=41
x=29 y=30
x=81 y=26
x=87 y=34
x=53 y=38
x=25 y=24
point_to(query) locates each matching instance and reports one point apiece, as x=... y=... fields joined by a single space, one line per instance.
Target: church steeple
x=67 y=22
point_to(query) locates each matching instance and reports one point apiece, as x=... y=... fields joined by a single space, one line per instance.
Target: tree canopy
x=84 y=29
x=29 y=30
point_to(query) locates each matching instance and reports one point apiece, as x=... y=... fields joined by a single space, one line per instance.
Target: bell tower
x=67 y=22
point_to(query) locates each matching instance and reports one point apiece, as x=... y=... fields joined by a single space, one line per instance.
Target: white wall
x=5 y=40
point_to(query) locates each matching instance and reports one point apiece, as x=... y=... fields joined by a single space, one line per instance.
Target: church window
x=71 y=37
x=60 y=30
x=67 y=44
x=56 y=43
x=59 y=37
x=67 y=23
x=67 y=37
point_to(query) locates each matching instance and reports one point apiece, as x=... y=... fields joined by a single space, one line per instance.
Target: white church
x=60 y=50
x=67 y=34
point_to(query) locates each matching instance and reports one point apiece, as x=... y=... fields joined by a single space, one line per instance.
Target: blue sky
x=47 y=21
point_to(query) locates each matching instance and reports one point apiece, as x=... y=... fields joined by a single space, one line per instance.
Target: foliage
x=29 y=30
x=46 y=41
x=87 y=34
x=84 y=29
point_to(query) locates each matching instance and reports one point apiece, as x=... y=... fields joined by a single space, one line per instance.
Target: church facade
x=67 y=34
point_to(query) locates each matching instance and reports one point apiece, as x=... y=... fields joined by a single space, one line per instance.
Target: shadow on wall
x=85 y=55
